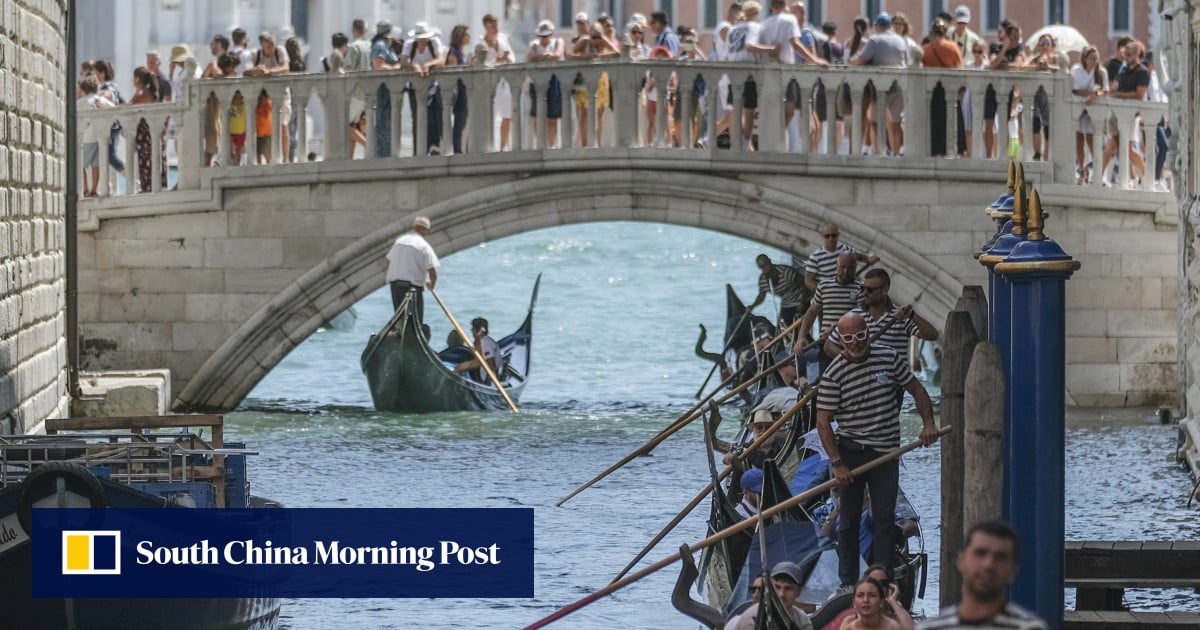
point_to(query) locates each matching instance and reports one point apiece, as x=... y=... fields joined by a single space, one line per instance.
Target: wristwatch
x=834 y=463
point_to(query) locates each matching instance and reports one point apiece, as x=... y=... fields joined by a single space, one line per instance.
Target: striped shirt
x=789 y=286
x=822 y=262
x=835 y=299
x=895 y=337
x=1011 y=617
x=862 y=396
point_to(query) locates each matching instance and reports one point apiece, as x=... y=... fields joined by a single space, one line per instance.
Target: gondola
x=406 y=375
x=727 y=568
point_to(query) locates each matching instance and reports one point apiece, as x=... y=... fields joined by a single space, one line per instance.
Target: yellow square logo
x=91 y=552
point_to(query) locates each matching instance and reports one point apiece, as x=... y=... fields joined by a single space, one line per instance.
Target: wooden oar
x=712 y=485
x=684 y=420
x=484 y=363
x=723 y=534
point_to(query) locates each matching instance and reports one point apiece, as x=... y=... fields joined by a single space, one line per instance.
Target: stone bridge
x=220 y=278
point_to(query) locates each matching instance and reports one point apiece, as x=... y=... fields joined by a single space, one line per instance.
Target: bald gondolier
x=412 y=266
x=859 y=389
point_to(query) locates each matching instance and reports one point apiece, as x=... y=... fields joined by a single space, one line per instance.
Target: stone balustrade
x=324 y=104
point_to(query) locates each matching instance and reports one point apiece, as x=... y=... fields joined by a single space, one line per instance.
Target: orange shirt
x=942 y=53
x=262 y=117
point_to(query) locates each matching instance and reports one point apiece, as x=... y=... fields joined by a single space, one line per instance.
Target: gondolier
x=859 y=389
x=412 y=266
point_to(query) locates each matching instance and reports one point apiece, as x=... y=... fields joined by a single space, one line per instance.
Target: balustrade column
x=978 y=123
x=625 y=106
x=131 y=167
x=736 y=142
x=771 y=137
x=519 y=140
x=335 y=96
x=539 y=102
x=301 y=106
x=157 y=139
x=857 y=122
x=225 y=141
x=684 y=100
x=952 y=148
x=420 y=96
x=1063 y=122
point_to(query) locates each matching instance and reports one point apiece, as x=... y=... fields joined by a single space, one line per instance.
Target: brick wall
x=33 y=381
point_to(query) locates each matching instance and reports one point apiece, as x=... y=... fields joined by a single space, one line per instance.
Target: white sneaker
x=1161 y=186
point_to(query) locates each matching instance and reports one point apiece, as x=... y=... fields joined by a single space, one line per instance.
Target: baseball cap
x=421 y=222
x=582 y=16
x=884 y=20
x=752 y=480
x=962 y=14
x=790 y=570
x=545 y=28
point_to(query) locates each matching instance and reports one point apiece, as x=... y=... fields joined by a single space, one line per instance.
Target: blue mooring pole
x=1034 y=491
x=1000 y=325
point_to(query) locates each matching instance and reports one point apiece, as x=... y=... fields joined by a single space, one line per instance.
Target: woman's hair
x=872 y=582
x=147 y=79
x=856 y=42
x=1099 y=78
x=458 y=36
x=104 y=69
x=899 y=19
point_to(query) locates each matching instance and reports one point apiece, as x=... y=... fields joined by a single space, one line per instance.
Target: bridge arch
x=775 y=216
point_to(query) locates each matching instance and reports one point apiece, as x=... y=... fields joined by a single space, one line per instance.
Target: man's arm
x=810 y=315
x=841 y=473
x=925 y=330
x=432 y=271
x=1138 y=95
x=929 y=432
x=808 y=55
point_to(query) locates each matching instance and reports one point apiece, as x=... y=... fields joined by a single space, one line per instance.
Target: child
x=90 y=156
x=262 y=126
x=237 y=126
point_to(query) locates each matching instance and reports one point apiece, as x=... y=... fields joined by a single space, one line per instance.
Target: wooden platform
x=1129 y=620
x=1100 y=571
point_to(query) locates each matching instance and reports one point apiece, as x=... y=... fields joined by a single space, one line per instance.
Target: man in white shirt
x=412 y=266
x=781 y=35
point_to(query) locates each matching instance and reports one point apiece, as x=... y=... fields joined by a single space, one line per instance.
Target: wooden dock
x=1100 y=571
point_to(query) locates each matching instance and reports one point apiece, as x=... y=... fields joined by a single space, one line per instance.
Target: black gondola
x=406 y=375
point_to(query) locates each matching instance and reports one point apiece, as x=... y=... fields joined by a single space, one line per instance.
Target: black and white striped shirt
x=862 y=396
x=822 y=262
x=1011 y=617
x=895 y=337
x=835 y=299
x=789 y=286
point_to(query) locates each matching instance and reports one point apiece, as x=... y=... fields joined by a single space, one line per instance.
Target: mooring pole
x=1000 y=324
x=1034 y=488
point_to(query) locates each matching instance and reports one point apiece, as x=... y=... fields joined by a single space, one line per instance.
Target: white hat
x=582 y=16
x=962 y=14
x=421 y=222
x=545 y=28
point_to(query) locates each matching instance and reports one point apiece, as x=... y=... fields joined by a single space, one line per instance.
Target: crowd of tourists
x=750 y=32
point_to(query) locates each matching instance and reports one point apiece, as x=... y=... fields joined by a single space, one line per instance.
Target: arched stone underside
x=771 y=216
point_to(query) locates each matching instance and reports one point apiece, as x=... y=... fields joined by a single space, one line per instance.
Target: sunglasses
x=827 y=236
x=858 y=336
x=869 y=290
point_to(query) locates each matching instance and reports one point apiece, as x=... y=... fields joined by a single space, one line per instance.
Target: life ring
x=77 y=478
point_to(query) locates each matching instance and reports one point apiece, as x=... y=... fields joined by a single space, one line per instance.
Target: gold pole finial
x=1019 y=215
x=1035 y=222
x=1012 y=176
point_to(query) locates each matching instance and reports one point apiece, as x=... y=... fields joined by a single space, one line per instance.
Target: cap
x=752 y=480
x=962 y=14
x=581 y=16
x=789 y=570
x=884 y=20
x=762 y=416
x=778 y=400
x=422 y=33
x=421 y=222
x=383 y=27
x=180 y=53
x=545 y=28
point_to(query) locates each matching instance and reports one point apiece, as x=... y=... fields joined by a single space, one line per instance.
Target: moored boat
x=120 y=463
x=405 y=374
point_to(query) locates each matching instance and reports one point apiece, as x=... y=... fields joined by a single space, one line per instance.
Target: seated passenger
x=487 y=347
x=786 y=578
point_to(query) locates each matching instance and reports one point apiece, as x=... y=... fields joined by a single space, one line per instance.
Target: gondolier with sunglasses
x=412 y=266
x=859 y=391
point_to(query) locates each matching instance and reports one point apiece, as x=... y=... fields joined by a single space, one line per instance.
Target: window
x=711 y=12
x=566 y=13
x=1120 y=16
x=668 y=7
x=932 y=8
x=872 y=8
x=1056 y=12
x=993 y=13
x=816 y=12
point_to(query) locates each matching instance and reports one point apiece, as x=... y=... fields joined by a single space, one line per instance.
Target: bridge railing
x=618 y=104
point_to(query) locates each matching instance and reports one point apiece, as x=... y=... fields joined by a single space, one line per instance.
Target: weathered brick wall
x=33 y=378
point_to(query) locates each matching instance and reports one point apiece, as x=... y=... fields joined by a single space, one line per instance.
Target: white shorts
x=357 y=107
x=503 y=102
x=723 y=94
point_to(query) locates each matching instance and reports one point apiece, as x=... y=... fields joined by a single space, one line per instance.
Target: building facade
x=33 y=376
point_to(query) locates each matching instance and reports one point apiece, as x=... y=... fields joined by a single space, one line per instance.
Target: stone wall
x=33 y=378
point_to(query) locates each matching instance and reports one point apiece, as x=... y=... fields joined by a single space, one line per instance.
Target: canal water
x=612 y=364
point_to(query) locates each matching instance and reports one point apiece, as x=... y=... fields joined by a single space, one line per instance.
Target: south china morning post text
x=322 y=552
